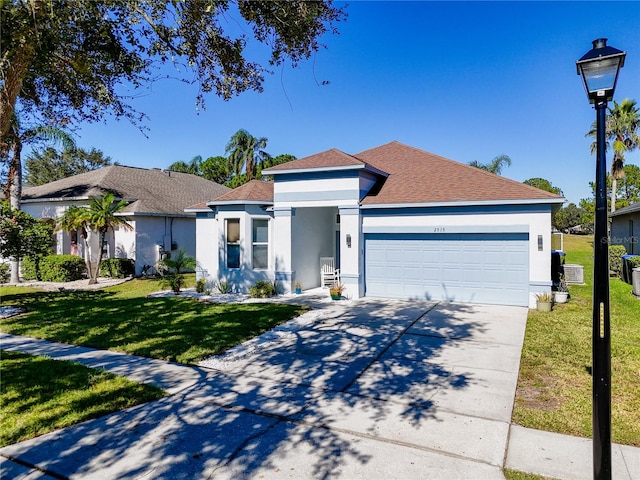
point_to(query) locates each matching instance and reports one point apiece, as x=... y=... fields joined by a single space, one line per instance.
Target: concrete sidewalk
x=372 y=389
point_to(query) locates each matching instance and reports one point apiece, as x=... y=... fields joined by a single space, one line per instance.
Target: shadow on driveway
x=374 y=389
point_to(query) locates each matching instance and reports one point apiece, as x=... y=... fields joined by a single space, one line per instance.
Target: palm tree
x=13 y=147
x=76 y=219
x=194 y=166
x=495 y=165
x=176 y=265
x=100 y=217
x=622 y=125
x=246 y=152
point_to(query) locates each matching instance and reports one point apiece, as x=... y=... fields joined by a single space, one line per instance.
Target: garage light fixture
x=599 y=69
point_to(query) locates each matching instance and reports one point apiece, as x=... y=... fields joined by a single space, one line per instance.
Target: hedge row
x=67 y=268
x=53 y=268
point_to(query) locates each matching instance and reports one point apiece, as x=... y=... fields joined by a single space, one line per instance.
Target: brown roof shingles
x=416 y=176
x=327 y=159
x=252 y=191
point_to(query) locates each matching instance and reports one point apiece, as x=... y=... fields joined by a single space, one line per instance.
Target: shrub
x=615 y=259
x=262 y=289
x=30 y=268
x=223 y=286
x=201 y=285
x=4 y=272
x=635 y=261
x=175 y=281
x=117 y=267
x=53 y=268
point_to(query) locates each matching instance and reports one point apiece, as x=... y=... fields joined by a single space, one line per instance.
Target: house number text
x=438 y=230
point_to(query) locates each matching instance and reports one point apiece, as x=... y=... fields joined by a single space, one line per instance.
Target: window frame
x=255 y=243
x=233 y=244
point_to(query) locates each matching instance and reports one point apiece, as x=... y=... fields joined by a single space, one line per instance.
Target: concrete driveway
x=374 y=389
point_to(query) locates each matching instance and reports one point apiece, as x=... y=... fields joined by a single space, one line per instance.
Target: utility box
x=573 y=273
x=635 y=279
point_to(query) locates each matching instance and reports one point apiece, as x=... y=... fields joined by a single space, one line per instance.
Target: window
x=233 y=243
x=260 y=244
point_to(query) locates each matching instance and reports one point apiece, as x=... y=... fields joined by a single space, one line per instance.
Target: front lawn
x=122 y=319
x=555 y=386
x=40 y=395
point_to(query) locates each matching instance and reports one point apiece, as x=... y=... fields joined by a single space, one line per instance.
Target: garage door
x=477 y=268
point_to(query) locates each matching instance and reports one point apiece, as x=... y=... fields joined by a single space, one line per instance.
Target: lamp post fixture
x=599 y=69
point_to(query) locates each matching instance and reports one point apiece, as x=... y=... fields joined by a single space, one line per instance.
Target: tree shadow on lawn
x=310 y=406
x=174 y=329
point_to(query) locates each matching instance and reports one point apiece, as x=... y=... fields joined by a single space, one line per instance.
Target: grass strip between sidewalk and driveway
x=40 y=395
x=123 y=319
x=555 y=385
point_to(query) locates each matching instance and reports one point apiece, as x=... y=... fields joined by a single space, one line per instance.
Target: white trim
x=213 y=203
x=198 y=210
x=149 y=214
x=465 y=203
x=445 y=229
x=326 y=169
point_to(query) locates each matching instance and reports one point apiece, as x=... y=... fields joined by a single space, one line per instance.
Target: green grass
x=40 y=395
x=122 y=319
x=516 y=475
x=555 y=385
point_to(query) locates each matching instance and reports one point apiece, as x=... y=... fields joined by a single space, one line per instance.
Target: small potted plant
x=298 y=287
x=543 y=301
x=562 y=293
x=336 y=291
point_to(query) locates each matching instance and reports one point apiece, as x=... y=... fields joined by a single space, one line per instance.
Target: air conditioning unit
x=573 y=273
x=635 y=281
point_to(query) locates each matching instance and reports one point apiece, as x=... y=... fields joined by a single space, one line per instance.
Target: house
x=399 y=222
x=625 y=228
x=157 y=199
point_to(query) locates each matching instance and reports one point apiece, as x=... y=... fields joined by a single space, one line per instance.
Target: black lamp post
x=599 y=68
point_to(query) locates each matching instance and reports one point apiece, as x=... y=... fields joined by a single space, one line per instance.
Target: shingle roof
x=327 y=159
x=416 y=176
x=407 y=175
x=253 y=191
x=151 y=191
x=634 y=207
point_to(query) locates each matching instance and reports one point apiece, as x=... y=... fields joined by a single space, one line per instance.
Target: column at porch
x=350 y=251
x=282 y=237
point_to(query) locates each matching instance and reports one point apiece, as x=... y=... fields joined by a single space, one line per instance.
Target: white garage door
x=477 y=268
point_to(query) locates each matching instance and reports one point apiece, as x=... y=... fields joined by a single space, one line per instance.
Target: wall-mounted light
x=540 y=243
x=348 y=240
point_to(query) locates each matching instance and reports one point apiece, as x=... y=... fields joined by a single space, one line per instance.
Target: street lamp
x=599 y=69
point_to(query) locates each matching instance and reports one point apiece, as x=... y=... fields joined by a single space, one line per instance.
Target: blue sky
x=465 y=80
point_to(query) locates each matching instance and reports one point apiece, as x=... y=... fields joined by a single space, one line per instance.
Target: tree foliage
x=569 y=217
x=22 y=235
x=495 y=165
x=194 y=167
x=543 y=184
x=216 y=169
x=621 y=131
x=627 y=190
x=100 y=216
x=49 y=165
x=66 y=60
x=18 y=136
x=246 y=153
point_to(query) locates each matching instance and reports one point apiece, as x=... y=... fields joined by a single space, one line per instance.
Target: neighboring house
x=399 y=222
x=156 y=209
x=625 y=228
